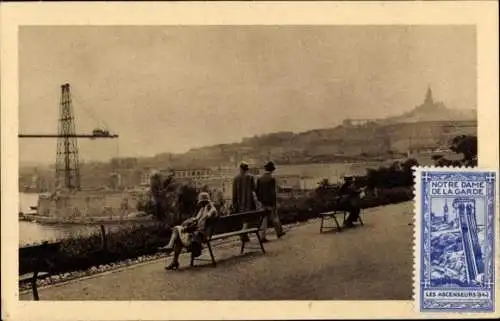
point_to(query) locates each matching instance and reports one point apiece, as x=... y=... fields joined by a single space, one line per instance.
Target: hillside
x=433 y=111
x=438 y=113
x=428 y=126
x=342 y=143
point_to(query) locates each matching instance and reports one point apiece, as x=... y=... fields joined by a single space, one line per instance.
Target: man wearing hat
x=266 y=194
x=244 y=197
x=243 y=190
x=349 y=200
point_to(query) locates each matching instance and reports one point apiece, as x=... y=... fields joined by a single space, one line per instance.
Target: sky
x=172 y=88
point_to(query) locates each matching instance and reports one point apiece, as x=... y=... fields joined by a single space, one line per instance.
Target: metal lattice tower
x=67 y=163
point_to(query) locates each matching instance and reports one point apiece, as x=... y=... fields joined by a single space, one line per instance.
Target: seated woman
x=191 y=231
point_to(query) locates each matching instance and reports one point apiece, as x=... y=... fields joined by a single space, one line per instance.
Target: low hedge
x=84 y=252
x=300 y=210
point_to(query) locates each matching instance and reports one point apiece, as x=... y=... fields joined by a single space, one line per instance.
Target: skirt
x=185 y=237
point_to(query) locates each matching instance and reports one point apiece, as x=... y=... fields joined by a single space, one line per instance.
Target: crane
x=67 y=163
x=89 y=136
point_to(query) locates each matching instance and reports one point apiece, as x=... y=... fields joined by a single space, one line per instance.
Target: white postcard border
x=483 y=14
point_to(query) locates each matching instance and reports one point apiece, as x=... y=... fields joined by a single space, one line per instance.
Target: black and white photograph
x=165 y=163
x=233 y=162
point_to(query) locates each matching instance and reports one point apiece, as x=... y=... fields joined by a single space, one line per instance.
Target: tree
x=219 y=202
x=397 y=174
x=462 y=144
x=324 y=187
x=164 y=196
x=372 y=178
x=323 y=195
x=408 y=164
x=408 y=172
x=467 y=146
x=187 y=199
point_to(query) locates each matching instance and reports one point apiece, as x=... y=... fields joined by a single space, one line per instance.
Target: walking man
x=266 y=194
x=244 y=197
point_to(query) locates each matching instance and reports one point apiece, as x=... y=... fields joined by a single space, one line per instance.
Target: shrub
x=310 y=207
x=467 y=146
x=397 y=175
x=84 y=252
x=387 y=196
x=81 y=253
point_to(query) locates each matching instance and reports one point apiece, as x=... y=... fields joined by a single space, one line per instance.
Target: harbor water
x=33 y=232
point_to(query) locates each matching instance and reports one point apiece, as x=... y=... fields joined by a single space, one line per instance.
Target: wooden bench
x=332 y=214
x=232 y=226
x=36 y=259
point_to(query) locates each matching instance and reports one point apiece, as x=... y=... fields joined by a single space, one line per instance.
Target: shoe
x=348 y=224
x=172 y=266
x=281 y=234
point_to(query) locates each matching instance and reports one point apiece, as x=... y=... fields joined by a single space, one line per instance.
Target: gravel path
x=373 y=262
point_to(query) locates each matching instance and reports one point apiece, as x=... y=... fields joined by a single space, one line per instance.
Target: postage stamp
x=455 y=239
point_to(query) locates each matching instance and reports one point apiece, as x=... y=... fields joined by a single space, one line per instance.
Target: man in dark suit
x=244 y=197
x=266 y=194
x=244 y=190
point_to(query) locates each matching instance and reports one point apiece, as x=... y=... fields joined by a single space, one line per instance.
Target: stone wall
x=87 y=204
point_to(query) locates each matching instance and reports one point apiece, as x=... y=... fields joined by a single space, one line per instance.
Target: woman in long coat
x=192 y=231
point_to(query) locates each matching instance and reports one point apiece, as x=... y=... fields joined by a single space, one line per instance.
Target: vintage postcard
x=456 y=222
x=249 y=160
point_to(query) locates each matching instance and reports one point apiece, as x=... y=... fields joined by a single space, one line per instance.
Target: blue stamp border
x=489 y=177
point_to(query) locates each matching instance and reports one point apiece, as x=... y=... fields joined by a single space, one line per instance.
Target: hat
x=269 y=166
x=203 y=196
x=244 y=166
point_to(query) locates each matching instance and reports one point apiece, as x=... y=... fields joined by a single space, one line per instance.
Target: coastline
x=47 y=220
x=103 y=269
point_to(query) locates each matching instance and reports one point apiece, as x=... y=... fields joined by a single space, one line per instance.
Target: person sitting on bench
x=191 y=232
x=350 y=200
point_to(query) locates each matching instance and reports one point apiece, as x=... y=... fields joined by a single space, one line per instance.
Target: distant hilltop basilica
x=429 y=110
x=429 y=103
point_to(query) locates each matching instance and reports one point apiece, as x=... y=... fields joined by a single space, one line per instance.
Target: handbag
x=190 y=225
x=196 y=246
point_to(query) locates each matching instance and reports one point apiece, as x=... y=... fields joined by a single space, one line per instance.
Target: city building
x=146 y=176
x=189 y=174
x=350 y=122
x=289 y=182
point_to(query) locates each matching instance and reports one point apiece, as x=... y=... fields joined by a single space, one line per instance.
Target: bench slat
x=331 y=213
x=240 y=232
x=28 y=276
x=234 y=223
x=38 y=257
